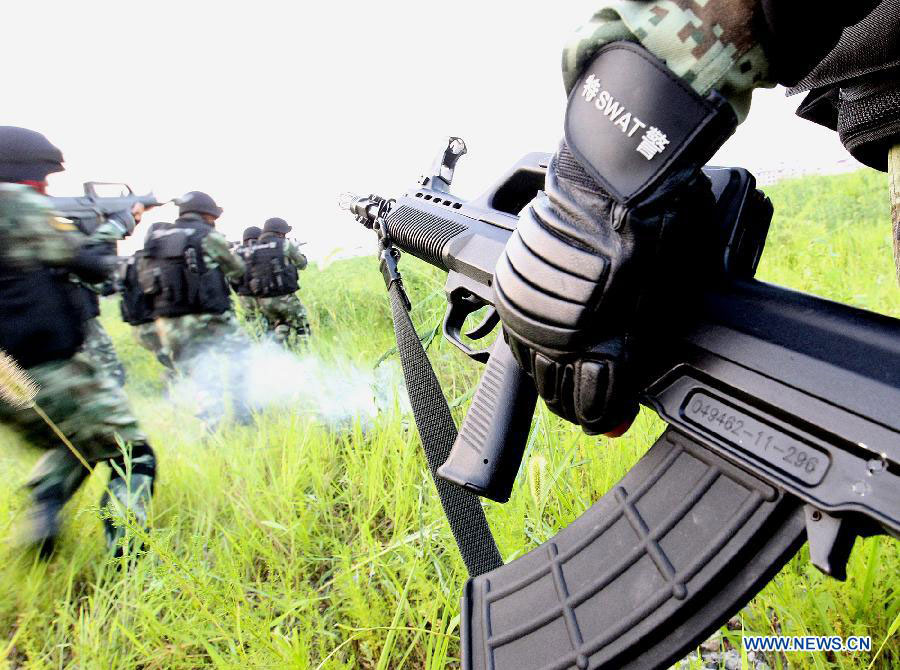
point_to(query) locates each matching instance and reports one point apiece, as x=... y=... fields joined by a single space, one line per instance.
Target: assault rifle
x=91 y=208
x=783 y=414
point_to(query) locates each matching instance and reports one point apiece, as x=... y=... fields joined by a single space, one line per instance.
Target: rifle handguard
x=488 y=450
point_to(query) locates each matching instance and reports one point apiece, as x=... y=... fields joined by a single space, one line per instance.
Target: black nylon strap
x=438 y=432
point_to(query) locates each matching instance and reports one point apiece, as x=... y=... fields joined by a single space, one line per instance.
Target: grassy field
x=298 y=544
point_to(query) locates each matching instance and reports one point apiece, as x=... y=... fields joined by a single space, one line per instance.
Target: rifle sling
x=438 y=433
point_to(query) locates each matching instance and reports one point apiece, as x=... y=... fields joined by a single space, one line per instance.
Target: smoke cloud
x=265 y=376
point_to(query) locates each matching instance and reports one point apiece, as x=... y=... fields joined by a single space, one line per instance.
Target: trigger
x=488 y=323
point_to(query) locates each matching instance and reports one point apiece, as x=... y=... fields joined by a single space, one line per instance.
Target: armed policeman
x=273 y=263
x=43 y=329
x=249 y=304
x=185 y=272
x=625 y=219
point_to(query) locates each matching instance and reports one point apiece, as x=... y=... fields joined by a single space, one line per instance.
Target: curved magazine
x=636 y=581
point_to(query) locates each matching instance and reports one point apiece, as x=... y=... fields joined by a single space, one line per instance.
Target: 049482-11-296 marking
x=788 y=454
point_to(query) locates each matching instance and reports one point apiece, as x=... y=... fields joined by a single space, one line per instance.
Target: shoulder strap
x=438 y=433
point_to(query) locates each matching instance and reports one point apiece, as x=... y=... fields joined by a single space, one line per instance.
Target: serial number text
x=791 y=456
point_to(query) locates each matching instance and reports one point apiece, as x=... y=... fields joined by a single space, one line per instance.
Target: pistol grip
x=488 y=450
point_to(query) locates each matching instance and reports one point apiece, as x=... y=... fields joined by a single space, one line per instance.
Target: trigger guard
x=454 y=318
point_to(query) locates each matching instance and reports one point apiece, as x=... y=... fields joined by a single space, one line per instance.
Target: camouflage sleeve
x=110 y=230
x=295 y=256
x=710 y=44
x=215 y=246
x=31 y=233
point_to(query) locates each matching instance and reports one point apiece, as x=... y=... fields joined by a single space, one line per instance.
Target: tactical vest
x=269 y=273
x=174 y=275
x=136 y=306
x=40 y=320
x=856 y=88
x=242 y=287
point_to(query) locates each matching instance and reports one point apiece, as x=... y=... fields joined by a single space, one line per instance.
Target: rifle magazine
x=681 y=543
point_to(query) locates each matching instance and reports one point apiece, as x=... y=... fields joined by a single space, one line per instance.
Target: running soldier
x=249 y=304
x=43 y=329
x=272 y=268
x=185 y=272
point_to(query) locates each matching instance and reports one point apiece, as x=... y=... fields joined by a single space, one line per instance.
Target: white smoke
x=337 y=393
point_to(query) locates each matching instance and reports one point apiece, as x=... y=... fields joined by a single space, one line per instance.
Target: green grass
x=291 y=545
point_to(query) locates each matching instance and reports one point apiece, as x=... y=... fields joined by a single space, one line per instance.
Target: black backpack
x=135 y=305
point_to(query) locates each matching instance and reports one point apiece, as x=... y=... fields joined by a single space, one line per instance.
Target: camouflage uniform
x=205 y=347
x=98 y=346
x=185 y=337
x=147 y=336
x=87 y=405
x=249 y=307
x=285 y=315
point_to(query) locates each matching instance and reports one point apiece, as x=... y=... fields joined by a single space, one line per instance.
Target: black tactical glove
x=625 y=219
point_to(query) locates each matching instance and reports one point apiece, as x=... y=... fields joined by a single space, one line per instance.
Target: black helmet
x=276 y=225
x=251 y=233
x=199 y=203
x=26 y=155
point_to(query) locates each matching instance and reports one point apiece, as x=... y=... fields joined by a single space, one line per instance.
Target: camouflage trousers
x=91 y=410
x=99 y=347
x=148 y=337
x=286 y=318
x=249 y=306
x=208 y=353
x=252 y=318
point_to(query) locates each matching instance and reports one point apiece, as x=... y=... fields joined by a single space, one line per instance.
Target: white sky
x=274 y=108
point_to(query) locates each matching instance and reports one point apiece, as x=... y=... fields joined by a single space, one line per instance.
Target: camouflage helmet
x=276 y=225
x=251 y=233
x=199 y=203
x=26 y=155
